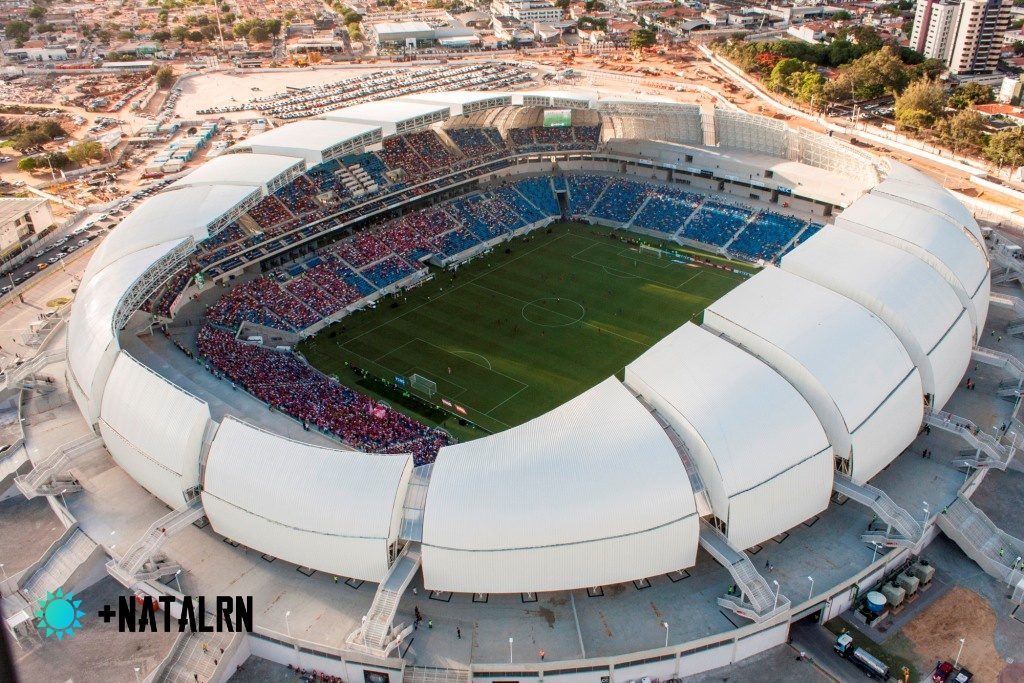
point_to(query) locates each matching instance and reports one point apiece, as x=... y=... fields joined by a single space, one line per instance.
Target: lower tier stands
x=287 y=384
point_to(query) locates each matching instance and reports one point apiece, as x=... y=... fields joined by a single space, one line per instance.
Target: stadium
x=486 y=350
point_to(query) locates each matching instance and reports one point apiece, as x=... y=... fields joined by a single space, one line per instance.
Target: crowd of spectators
x=299 y=196
x=264 y=302
x=388 y=271
x=477 y=143
x=621 y=199
x=767 y=236
x=584 y=189
x=716 y=222
x=269 y=212
x=286 y=383
x=667 y=210
x=363 y=249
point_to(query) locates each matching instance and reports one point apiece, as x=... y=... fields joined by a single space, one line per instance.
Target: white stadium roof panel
x=153 y=429
x=239 y=169
x=932 y=238
x=536 y=506
x=750 y=433
x=385 y=111
x=344 y=507
x=309 y=139
x=91 y=343
x=917 y=304
x=907 y=184
x=170 y=215
x=847 y=363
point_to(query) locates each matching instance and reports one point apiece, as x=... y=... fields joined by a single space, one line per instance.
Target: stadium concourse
x=726 y=439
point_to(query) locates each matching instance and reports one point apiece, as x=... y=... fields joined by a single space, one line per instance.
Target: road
x=816 y=641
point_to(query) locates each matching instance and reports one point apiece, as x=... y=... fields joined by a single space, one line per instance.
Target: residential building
x=527 y=10
x=965 y=34
x=20 y=221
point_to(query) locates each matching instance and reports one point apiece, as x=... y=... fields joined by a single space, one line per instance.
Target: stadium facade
x=818 y=367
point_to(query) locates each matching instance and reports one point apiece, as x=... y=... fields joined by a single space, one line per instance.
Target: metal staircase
x=13 y=377
x=700 y=491
x=908 y=530
x=55 y=572
x=1009 y=389
x=1010 y=364
x=997 y=455
x=376 y=635
x=995 y=551
x=1014 y=303
x=1012 y=268
x=187 y=659
x=756 y=601
x=143 y=560
x=49 y=477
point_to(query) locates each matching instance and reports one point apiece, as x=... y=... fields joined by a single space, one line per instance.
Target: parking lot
x=93 y=227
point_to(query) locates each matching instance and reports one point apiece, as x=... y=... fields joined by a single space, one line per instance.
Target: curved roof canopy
x=714 y=386
x=931 y=237
x=908 y=185
x=847 y=363
x=345 y=493
x=171 y=215
x=311 y=139
x=91 y=341
x=256 y=170
x=596 y=467
x=917 y=304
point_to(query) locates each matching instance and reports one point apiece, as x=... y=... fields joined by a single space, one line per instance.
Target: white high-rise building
x=965 y=34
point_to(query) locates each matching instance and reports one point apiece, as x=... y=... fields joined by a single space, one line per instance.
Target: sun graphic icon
x=58 y=614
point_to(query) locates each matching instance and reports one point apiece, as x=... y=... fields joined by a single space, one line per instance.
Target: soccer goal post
x=422 y=384
x=653 y=251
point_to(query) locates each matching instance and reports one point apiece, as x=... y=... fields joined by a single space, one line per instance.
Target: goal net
x=422 y=384
x=654 y=251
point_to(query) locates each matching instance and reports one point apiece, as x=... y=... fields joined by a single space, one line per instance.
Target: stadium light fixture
x=777 y=589
x=810 y=593
x=665 y=624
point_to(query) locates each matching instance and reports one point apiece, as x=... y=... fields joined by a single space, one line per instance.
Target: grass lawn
x=513 y=335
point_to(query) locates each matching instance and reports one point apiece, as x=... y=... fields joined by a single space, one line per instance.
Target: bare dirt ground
x=935 y=635
x=97 y=652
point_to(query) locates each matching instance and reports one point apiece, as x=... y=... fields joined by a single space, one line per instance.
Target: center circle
x=553 y=312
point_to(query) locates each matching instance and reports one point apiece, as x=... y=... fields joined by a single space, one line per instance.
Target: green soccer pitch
x=513 y=335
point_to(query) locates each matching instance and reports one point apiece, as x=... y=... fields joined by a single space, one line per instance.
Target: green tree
x=779 y=78
x=842 y=15
x=164 y=77
x=811 y=89
x=37 y=12
x=85 y=151
x=963 y=132
x=641 y=38
x=873 y=75
x=920 y=104
x=28 y=164
x=58 y=160
x=354 y=33
x=18 y=30
x=258 y=34
x=1006 y=148
x=970 y=93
